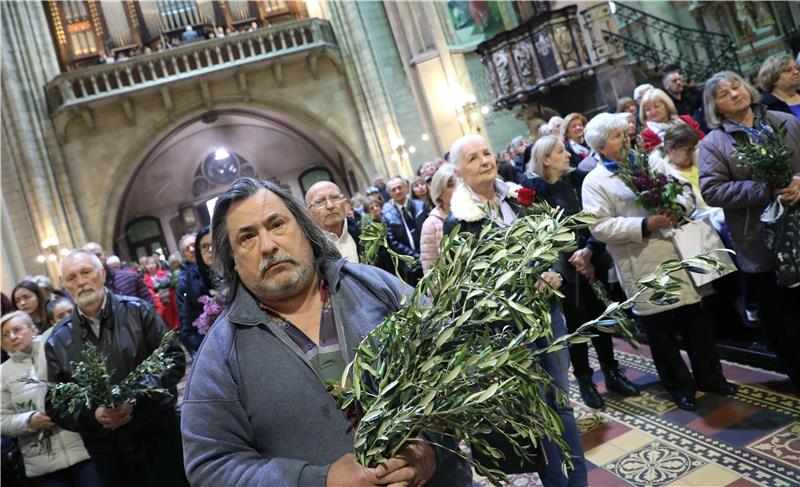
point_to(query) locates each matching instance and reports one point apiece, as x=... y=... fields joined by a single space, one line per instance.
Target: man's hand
x=551 y=278
x=413 y=466
x=347 y=472
x=790 y=194
x=113 y=418
x=581 y=258
x=40 y=421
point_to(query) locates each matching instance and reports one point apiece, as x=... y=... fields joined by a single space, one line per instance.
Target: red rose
x=525 y=196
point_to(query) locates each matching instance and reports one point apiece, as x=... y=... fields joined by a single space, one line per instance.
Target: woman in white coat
x=637 y=242
x=53 y=457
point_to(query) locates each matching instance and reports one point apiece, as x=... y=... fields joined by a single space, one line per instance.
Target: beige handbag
x=699 y=237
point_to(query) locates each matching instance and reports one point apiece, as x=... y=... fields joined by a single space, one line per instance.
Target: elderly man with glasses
x=328 y=207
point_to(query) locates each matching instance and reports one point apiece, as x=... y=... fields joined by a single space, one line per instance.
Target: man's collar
x=403 y=205
x=343 y=236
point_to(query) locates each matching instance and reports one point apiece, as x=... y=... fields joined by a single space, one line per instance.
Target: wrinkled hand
x=551 y=278
x=41 y=421
x=113 y=418
x=581 y=258
x=413 y=466
x=163 y=296
x=790 y=194
x=661 y=220
x=347 y=472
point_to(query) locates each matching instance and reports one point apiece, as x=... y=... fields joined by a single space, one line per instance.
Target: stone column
x=36 y=189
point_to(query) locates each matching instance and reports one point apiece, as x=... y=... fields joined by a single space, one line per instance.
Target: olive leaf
x=461 y=360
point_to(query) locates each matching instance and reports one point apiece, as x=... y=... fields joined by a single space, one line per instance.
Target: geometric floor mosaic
x=751 y=439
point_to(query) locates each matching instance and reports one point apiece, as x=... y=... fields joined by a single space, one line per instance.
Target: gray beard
x=88 y=299
x=298 y=280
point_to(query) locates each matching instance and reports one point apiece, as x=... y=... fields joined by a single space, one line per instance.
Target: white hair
x=458 y=147
x=93 y=258
x=600 y=128
x=640 y=90
x=113 y=260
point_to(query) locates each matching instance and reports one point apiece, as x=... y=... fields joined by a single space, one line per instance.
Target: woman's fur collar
x=465 y=205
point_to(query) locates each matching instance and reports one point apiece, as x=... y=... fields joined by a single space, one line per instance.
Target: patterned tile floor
x=752 y=439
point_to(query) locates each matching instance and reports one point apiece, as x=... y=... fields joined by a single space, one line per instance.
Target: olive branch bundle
x=93 y=387
x=768 y=161
x=461 y=358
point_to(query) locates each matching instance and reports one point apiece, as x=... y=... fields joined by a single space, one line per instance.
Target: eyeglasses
x=206 y=247
x=16 y=331
x=324 y=201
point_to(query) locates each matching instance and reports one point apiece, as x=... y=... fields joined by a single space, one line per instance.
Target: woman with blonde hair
x=657 y=113
x=555 y=182
x=572 y=136
x=442 y=186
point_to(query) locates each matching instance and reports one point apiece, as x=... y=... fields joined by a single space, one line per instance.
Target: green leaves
x=93 y=388
x=459 y=359
x=768 y=161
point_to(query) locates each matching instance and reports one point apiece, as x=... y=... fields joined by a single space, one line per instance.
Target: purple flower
x=211 y=310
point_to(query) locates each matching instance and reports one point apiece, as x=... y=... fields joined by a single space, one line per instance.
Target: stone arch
x=338 y=152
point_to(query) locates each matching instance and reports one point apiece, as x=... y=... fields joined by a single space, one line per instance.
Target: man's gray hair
x=95 y=260
x=540 y=150
x=457 y=149
x=713 y=118
x=600 y=128
x=440 y=180
x=193 y=236
x=240 y=190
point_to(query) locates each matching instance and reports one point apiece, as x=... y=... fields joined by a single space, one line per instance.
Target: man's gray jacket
x=256 y=414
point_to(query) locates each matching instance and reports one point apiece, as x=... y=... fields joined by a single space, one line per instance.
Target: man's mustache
x=270 y=261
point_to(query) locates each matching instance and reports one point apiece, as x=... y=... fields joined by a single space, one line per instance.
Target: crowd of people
x=297 y=300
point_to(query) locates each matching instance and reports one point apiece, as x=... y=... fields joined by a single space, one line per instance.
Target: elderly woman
x=477 y=190
x=442 y=186
x=572 y=135
x=730 y=108
x=657 y=112
x=551 y=176
x=779 y=77
x=636 y=242
x=22 y=415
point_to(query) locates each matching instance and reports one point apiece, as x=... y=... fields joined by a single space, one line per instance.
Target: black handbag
x=782 y=238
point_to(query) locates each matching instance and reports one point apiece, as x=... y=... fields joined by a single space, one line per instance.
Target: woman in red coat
x=657 y=113
x=165 y=301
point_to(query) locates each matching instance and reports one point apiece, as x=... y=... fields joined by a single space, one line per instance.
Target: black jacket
x=566 y=195
x=774 y=103
x=130 y=331
x=190 y=287
x=396 y=231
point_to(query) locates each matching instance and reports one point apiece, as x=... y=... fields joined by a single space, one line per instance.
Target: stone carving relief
x=503 y=70
x=542 y=44
x=524 y=60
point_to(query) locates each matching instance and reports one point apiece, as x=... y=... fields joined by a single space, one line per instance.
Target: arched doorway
x=196 y=162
